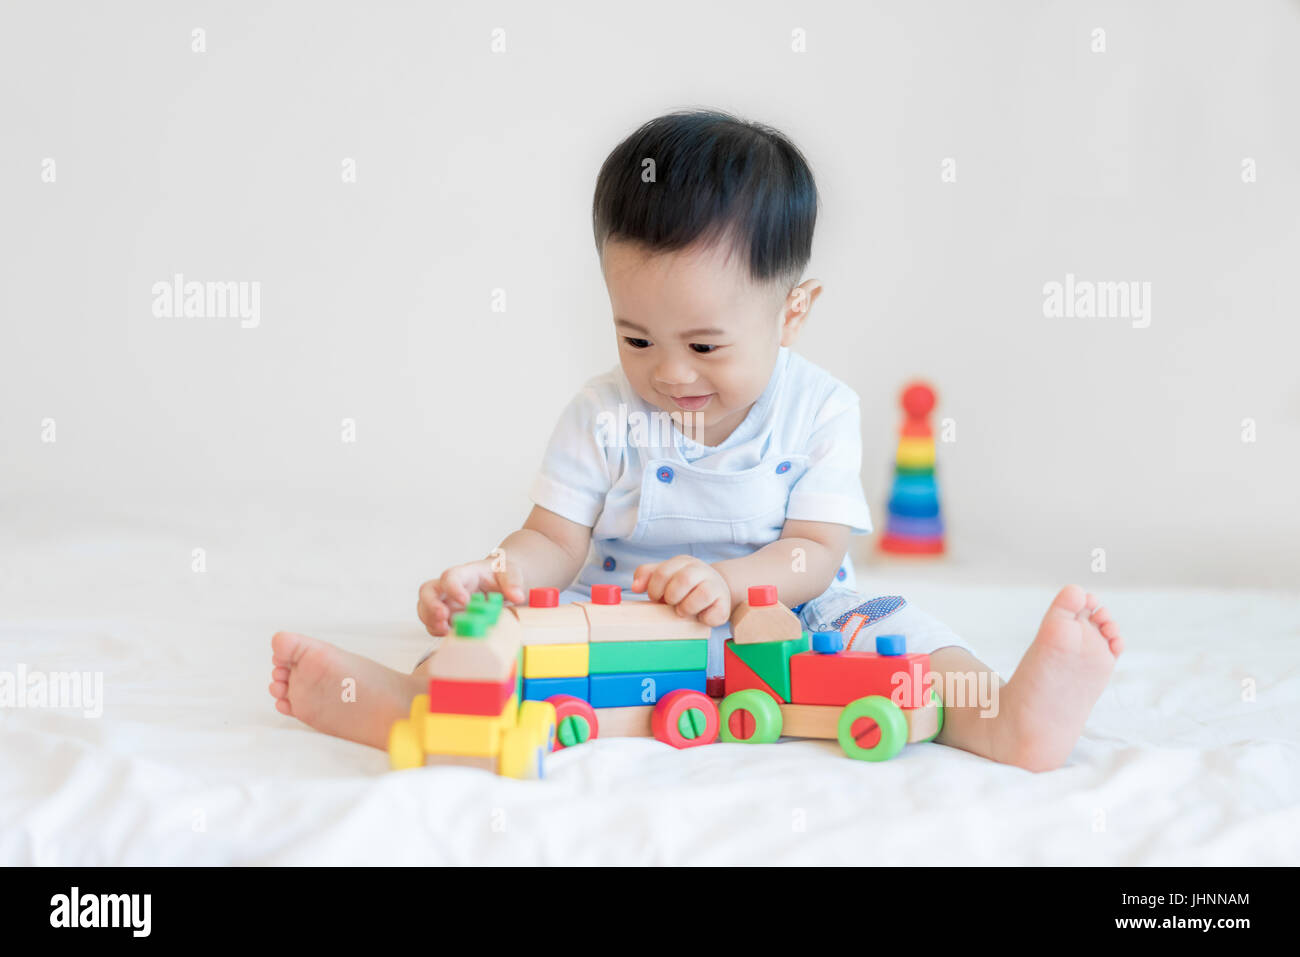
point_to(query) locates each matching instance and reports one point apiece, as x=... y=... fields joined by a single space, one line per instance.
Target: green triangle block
x=770 y=660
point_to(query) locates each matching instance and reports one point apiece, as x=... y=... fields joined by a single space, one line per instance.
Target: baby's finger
x=654 y=588
x=510 y=585
x=683 y=582
x=642 y=575
x=428 y=602
x=451 y=587
x=696 y=600
x=716 y=614
x=428 y=617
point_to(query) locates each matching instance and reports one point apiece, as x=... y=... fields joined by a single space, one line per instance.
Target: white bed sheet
x=190 y=764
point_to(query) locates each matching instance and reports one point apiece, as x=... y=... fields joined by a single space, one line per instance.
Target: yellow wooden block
x=630 y=722
x=915 y=453
x=468 y=734
x=404 y=749
x=556 y=661
x=810 y=720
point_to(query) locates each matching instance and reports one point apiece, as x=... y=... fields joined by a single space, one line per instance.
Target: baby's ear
x=796 y=307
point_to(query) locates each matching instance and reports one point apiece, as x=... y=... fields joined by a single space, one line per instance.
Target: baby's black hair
x=715 y=177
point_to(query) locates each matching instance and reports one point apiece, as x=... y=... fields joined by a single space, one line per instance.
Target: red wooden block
x=849 y=675
x=760 y=595
x=911 y=546
x=470 y=697
x=741 y=677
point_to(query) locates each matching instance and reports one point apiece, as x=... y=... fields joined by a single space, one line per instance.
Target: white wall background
x=475 y=171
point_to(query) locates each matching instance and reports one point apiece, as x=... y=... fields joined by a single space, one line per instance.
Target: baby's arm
x=801 y=564
x=547 y=552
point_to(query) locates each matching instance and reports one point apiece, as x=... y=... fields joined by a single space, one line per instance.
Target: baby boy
x=704 y=226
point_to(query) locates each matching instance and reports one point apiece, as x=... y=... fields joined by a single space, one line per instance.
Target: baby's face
x=696 y=337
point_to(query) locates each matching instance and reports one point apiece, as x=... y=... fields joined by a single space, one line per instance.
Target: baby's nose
x=675 y=373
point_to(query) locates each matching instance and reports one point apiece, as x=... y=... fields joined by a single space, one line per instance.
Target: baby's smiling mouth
x=691 y=403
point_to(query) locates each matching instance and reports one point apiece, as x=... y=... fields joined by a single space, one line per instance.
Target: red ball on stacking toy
x=918 y=400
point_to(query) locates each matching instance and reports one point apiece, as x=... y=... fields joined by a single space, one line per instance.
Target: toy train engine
x=512 y=683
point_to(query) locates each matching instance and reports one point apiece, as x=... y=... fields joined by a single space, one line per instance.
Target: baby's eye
x=701 y=348
x=636 y=343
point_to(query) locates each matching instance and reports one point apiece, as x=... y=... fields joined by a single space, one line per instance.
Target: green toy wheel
x=872 y=729
x=750 y=717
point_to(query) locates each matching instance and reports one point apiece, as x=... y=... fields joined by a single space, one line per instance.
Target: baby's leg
x=1033 y=720
x=337 y=692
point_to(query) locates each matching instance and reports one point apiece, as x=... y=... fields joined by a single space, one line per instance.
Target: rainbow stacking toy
x=914 y=526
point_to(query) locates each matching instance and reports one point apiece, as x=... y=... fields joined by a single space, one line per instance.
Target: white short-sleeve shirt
x=620 y=466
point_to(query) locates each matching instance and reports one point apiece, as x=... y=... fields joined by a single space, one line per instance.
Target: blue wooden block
x=891 y=645
x=539 y=689
x=904 y=526
x=639 y=688
x=827 y=642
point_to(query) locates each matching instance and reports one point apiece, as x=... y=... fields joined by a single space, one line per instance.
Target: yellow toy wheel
x=522 y=754
x=539 y=717
x=404 y=749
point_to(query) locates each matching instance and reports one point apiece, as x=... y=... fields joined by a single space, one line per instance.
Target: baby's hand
x=694 y=588
x=443 y=596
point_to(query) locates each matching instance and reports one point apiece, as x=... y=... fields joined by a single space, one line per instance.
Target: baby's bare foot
x=310 y=682
x=1044 y=706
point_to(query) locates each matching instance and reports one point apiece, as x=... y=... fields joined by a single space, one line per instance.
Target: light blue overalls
x=687 y=510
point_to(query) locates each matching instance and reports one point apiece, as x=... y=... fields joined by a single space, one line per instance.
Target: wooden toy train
x=512 y=683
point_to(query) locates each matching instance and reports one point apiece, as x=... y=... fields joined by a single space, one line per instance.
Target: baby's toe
x=1110 y=631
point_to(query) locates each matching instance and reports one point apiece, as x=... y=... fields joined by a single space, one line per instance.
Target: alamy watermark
x=231 y=299
x=621 y=428
x=1086 y=299
x=23 y=688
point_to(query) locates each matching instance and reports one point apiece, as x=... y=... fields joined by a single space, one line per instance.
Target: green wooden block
x=617 y=657
x=470 y=624
x=485 y=605
x=771 y=660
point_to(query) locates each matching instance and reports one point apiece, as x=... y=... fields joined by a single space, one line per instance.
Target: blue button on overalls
x=665 y=474
x=783 y=468
x=609 y=564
